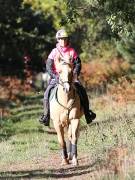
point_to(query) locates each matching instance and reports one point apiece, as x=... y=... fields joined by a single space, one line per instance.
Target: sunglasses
x=63 y=38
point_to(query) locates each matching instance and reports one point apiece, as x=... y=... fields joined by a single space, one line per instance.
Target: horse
x=66 y=111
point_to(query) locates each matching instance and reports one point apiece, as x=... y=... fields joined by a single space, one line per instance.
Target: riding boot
x=89 y=114
x=45 y=118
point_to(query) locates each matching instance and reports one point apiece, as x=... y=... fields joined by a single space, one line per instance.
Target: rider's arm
x=77 y=66
x=49 y=67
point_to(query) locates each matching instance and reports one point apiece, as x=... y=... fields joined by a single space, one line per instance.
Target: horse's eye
x=61 y=59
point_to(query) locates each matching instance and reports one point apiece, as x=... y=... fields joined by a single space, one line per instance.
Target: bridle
x=67 y=108
x=61 y=82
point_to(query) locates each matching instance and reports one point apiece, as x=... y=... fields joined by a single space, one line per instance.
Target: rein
x=67 y=108
x=62 y=82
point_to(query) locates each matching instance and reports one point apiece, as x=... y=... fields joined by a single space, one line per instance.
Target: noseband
x=63 y=82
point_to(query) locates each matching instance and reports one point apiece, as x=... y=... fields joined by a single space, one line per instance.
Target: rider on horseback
x=62 y=49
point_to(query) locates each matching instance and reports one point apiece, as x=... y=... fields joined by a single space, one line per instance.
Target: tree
x=118 y=14
x=23 y=32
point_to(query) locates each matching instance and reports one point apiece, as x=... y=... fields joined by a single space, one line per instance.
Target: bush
x=96 y=73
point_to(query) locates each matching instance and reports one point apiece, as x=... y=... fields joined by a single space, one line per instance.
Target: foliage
x=126 y=47
x=54 y=8
x=119 y=15
x=23 y=32
x=96 y=74
x=123 y=91
x=86 y=33
x=99 y=30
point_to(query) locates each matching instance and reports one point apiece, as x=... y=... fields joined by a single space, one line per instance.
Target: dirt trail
x=50 y=168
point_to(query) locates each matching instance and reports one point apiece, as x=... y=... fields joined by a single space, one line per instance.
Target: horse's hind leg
x=74 y=130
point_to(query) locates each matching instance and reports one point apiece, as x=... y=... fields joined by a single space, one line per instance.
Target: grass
x=24 y=141
x=22 y=137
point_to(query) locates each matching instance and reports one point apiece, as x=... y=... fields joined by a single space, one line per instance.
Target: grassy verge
x=22 y=138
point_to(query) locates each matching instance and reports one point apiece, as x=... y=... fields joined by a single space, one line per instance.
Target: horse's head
x=66 y=74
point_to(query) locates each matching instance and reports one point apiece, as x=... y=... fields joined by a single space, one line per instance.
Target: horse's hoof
x=64 y=162
x=69 y=157
x=75 y=162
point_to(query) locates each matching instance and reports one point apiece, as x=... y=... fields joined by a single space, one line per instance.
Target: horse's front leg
x=64 y=155
x=69 y=144
x=60 y=135
x=74 y=131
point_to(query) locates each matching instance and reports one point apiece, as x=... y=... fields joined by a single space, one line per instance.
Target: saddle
x=52 y=93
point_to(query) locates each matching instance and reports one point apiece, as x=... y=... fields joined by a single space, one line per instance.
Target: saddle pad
x=52 y=93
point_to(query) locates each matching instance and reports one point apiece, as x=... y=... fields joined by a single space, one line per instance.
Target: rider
x=63 y=48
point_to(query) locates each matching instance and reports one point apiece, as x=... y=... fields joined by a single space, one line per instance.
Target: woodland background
x=103 y=34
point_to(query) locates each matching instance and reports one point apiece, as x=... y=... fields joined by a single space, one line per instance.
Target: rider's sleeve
x=77 y=65
x=49 y=67
x=50 y=63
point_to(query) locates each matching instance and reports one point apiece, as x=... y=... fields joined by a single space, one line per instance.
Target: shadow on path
x=49 y=173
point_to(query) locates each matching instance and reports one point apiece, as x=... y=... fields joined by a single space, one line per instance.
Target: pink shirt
x=62 y=51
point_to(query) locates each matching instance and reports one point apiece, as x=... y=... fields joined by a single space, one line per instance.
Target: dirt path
x=50 y=168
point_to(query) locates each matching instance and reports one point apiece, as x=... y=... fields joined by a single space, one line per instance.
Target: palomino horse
x=66 y=111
